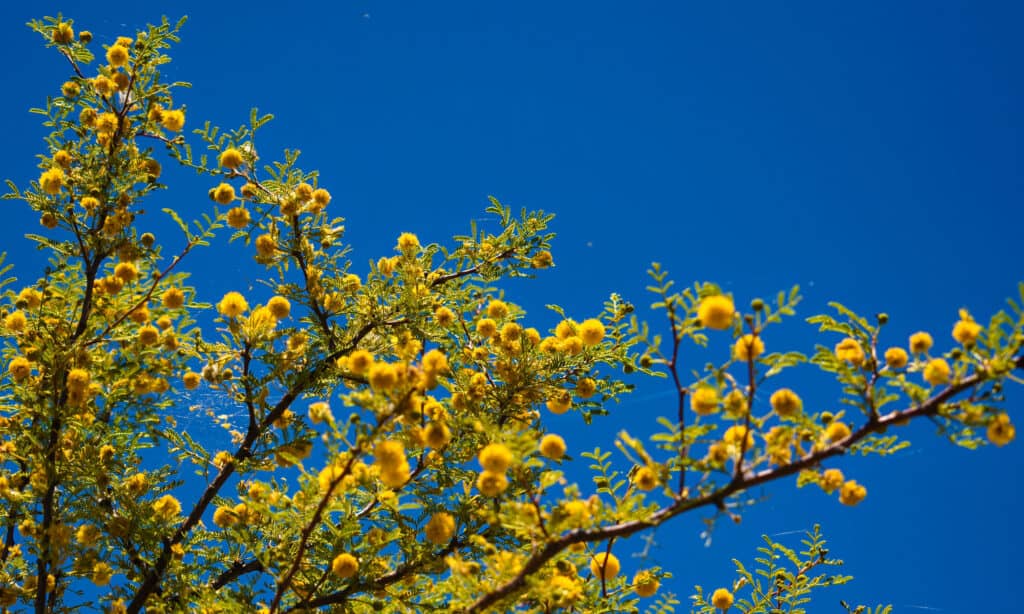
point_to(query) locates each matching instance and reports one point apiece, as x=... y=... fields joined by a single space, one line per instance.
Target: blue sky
x=868 y=151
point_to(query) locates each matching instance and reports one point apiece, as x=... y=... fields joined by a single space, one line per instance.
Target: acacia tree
x=393 y=453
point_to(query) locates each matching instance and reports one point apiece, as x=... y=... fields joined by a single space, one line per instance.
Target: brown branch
x=237 y=570
x=930 y=407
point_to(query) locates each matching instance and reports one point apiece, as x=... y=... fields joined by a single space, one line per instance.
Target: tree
x=393 y=454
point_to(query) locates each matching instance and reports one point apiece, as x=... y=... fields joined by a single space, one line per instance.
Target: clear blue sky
x=869 y=151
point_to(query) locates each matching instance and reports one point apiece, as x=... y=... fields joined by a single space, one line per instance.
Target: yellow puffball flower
x=173 y=298
x=231 y=158
x=497 y=309
x=62 y=158
x=785 y=402
x=722 y=599
x=15 y=321
x=486 y=327
x=351 y=282
x=149 y=335
x=831 y=479
x=748 y=347
x=735 y=403
x=836 y=431
x=238 y=217
x=166 y=508
x=704 y=400
x=440 y=528
x=63 y=34
x=101 y=573
x=90 y=204
x=586 y=387
x=552 y=446
x=435 y=362
x=849 y=350
x=382 y=376
x=645 y=584
x=70 y=89
x=122 y=81
x=224 y=517
x=279 y=307
x=389 y=453
x=321 y=198
x=542 y=260
x=117 y=56
x=565 y=329
x=266 y=246
x=408 y=243
x=645 y=478
x=173 y=120
x=920 y=342
x=560 y=403
x=31 y=297
x=591 y=332
x=126 y=271
x=966 y=331
x=937 y=372
x=716 y=312
x=437 y=435
x=87 y=535
x=495 y=457
x=852 y=493
x=232 y=305
x=1000 y=430
x=19 y=368
x=107 y=123
x=191 y=380
x=344 y=565
x=604 y=565
x=738 y=435
x=896 y=358
x=224 y=194
x=444 y=316
x=360 y=361
x=52 y=180
x=491 y=483
x=320 y=412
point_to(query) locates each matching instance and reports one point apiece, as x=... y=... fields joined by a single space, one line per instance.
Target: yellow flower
x=704 y=400
x=937 y=372
x=266 y=246
x=486 y=327
x=382 y=376
x=440 y=528
x=16 y=321
x=722 y=599
x=542 y=260
x=224 y=194
x=738 y=435
x=831 y=479
x=173 y=298
x=191 y=380
x=90 y=204
x=491 y=484
x=408 y=243
x=238 y=217
x=101 y=573
x=849 y=350
x=852 y=493
x=444 y=316
x=31 y=297
x=107 y=122
x=497 y=309
x=565 y=329
x=645 y=584
x=645 y=478
x=20 y=368
x=344 y=565
x=232 y=305
x=495 y=457
x=560 y=402
x=735 y=403
x=591 y=332
x=63 y=34
x=149 y=335
x=231 y=158
x=166 y=508
x=604 y=565
x=117 y=56
x=748 y=347
x=437 y=435
x=511 y=332
x=552 y=446
x=1000 y=430
x=279 y=307
x=785 y=402
x=920 y=342
x=62 y=158
x=351 y=282
x=173 y=120
x=122 y=80
x=716 y=312
x=70 y=89
x=52 y=180
x=126 y=272
x=896 y=358
x=966 y=330
x=586 y=387
x=321 y=198
x=360 y=361
x=837 y=431
x=435 y=362
x=320 y=412
x=224 y=517
x=87 y=535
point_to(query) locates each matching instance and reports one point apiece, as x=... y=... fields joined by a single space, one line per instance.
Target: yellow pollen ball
x=645 y=584
x=966 y=332
x=716 y=312
x=785 y=402
x=231 y=158
x=117 y=56
x=896 y=358
x=238 y=217
x=224 y=194
x=591 y=332
x=232 y=305
x=344 y=565
x=849 y=350
x=495 y=457
x=279 y=307
x=920 y=342
x=408 y=243
x=937 y=372
x=604 y=565
x=173 y=298
x=748 y=347
x=552 y=446
x=704 y=400
x=173 y=120
x=491 y=484
x=440 y=528
x=852 y=493
x=722 y=599
x=1000 y=430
